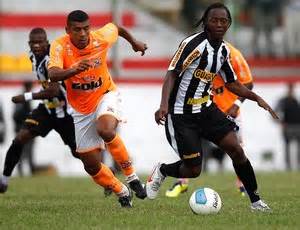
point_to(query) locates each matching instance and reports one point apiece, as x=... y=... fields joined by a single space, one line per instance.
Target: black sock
x=13 y=156
x=246 y=174
x=171 y=169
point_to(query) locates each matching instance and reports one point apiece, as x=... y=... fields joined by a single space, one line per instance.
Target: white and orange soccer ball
x=205 y=201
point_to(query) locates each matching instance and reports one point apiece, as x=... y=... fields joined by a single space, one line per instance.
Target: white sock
x=124 y=192
x=4 y=180
x=131 y=177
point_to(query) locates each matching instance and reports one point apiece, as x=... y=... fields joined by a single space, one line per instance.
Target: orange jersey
x=222 y=96
x=85 y=90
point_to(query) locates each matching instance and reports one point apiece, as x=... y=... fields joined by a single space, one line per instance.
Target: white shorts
x=86 y=134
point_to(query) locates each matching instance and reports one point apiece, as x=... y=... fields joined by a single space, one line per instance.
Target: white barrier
x=146 y=141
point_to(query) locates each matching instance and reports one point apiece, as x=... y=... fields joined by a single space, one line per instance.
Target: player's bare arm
x=160 y=114
x=59 y=74
x=233 y=110
x=237 y=88
x=136 y=45
x=48 y=93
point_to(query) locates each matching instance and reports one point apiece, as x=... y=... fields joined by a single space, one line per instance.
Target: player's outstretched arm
x=237 y=88
x=136 y=45
x=59 y=74
x=48 y=93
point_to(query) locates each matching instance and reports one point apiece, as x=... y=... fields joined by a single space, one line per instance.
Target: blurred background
x=266 y=31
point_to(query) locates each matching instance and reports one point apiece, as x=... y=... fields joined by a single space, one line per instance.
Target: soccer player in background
x=189 y=114
x=51 y=114
x=229 y=104
x=79 y=59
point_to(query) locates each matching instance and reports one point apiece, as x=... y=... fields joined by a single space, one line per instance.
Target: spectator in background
x=265 y=17
x=289 y=110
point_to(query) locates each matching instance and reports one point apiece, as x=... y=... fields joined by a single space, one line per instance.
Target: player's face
x=79 y=33
x=38 y=44
x=217 y=23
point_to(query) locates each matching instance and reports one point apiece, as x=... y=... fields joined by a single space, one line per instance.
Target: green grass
x=76 y=203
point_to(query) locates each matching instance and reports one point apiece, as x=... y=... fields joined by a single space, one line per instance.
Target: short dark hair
x=38 y=30
x=217 y=5
x=77 y=16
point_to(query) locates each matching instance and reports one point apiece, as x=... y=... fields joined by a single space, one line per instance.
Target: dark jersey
x=56 y=106
x=197 y=62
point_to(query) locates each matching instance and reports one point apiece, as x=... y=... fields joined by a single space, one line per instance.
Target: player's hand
x=233 y=111
x=139 y=46
x=160 y=115
x=261 y=102
x=83 y=66
x=18 y=99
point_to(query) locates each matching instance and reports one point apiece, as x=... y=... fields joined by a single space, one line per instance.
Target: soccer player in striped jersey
x=79 y=59
x=189 y=113
x=50 y=115
x=229 y=104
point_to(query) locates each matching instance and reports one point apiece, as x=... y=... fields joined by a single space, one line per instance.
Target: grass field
x=76 y=203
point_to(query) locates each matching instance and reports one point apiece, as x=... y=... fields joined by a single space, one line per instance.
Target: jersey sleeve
x=109 y=33
x=241 y=68
x=56 y=55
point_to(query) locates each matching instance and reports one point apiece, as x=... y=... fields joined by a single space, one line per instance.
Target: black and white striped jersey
x=197 y=61
x=56 y=106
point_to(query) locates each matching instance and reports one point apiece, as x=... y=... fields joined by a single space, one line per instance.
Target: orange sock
x=119 y=153
x=106 y=179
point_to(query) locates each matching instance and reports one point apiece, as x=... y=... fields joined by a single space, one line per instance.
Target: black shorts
x=185 y=131
x=39 y=122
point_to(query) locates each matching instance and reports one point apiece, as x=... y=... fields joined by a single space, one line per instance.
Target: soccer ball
x=205 y=201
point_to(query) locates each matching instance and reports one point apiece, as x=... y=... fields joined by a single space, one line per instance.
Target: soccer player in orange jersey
x=79 y=59
x=228 y=103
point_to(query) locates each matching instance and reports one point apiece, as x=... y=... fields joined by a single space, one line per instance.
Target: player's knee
x=107 y=134
x=91 y=168
x=23 y=137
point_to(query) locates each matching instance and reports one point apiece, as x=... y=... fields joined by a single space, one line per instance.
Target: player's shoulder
x=106 y=29
x=232 y=48
x=60 y=42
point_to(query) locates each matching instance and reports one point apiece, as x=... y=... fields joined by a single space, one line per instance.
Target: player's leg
x=243 y=168
x=108 y=117
x=183 y=136
x=88 y=146
x=13 y=156
x=65 y=128
x=104 y=177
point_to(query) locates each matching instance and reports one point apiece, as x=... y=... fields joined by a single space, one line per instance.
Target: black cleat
x=138 y=188
x=126 y=201
x=3 y=187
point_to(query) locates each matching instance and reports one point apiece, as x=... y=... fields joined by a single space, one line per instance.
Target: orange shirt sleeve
x=240 y=66
x=56 y=55
x=109 y=33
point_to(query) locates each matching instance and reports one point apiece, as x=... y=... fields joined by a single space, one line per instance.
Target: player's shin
x=12 y=157
x=106 y=179
x=246 y=174
x=120 y=154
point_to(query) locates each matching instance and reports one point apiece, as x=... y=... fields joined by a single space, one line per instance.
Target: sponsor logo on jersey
x=178 y=54
x=88 y=85
x=197 y=101
x=195 y=54
x=204 y=75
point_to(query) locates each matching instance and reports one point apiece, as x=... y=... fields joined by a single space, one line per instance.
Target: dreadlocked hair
x=204 y=18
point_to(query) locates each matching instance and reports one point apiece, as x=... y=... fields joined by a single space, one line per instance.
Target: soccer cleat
x=3 y=187
x=260 y=206
x=138 y=188
x=154 y=182
x=126 y=201
x=177 y=189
